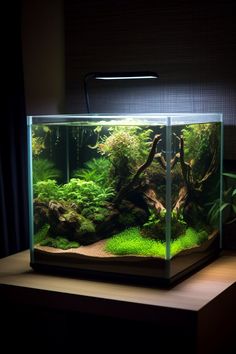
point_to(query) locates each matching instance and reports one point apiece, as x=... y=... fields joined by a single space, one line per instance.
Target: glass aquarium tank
x=133 y=197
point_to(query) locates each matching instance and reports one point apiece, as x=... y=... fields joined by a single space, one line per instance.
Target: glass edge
x=30 y=191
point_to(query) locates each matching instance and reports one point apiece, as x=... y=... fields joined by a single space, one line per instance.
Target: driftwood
x=123 y=191
x=189 y=193
x=150 y=196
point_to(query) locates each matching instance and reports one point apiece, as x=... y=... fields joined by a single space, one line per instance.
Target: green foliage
x=228 y=206
x=86 y=227
x=131 y=242
x=155 y=227
x=86 y=194
x=39 y=135
x=59 y=242
x=197 y=138
x=46 y=190
x=95 y=213
x=43 y=170
x=96 y=170
x=126 y=148
x=200 y=140
x=41 y=234
x=37 y=145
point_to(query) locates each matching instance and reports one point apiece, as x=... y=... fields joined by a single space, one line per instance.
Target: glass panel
x=135 y=194
x=196 y=187
x=97 y=181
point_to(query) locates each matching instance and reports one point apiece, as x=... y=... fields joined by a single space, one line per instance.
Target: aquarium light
x=128 y=77
x=123 y=75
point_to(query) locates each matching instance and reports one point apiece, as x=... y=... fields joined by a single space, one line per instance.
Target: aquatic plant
x=155 y=227
x=131 y=242
x=227 y=208
x=37 y=145
x=86 y=194
x=43 y=170
x=126 y=148
x=95 y=213
x=191 y=238
x=96 y=170
x=39 y=136
x=200 y=142
x=46 y=190
x=41 y=234
x=59 y=242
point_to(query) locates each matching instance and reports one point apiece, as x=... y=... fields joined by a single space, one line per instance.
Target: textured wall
x=191 y=45
x=43 y=55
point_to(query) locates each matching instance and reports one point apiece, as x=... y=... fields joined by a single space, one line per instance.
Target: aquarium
x=133 y=197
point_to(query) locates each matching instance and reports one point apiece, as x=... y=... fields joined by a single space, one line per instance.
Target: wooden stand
x=197 y=315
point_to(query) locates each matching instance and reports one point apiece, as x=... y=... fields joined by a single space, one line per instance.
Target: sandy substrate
x=97 y=249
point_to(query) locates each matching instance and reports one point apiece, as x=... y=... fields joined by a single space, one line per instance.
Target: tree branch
x=142 y=168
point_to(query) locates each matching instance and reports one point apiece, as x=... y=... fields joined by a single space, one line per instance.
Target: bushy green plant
x=96 y=170
x=200 y=141
x=43 y=170
x=126 y=147
x=228 y=205
x=86 y=194
x=47 y=190
x=197 y=138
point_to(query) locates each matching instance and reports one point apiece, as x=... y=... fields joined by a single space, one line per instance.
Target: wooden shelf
x=202 y=305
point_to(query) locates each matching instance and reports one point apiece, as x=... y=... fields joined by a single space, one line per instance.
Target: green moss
x=95 y=213
x=59 y=242
x=127 y=219
x=130 y=241
x=86 y=227
x=41 y=234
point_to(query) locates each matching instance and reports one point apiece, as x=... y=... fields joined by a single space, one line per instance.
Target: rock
x=65 y=221
x=131 y=215
x=40 y=214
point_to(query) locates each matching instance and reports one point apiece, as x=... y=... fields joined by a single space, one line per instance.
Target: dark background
x=50 y=46
x=190 y=44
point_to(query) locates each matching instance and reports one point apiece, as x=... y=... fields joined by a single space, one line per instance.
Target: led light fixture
x=123 y=75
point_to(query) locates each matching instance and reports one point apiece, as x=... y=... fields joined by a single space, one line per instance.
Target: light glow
x=125 y=77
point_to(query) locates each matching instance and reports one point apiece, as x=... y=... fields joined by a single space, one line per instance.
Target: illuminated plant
x=126 y=148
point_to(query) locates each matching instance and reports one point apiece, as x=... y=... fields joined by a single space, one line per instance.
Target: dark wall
x=43 y=56
x=13 y=149
x=190 y=45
